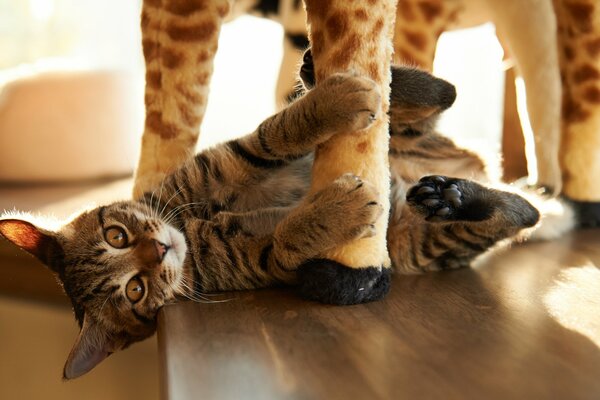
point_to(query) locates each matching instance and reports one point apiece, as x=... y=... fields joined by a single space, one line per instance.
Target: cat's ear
x=41 y=243
x=91 y=347
x=417 y=95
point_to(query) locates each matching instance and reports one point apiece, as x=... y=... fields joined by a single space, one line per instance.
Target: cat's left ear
x=41 y=243
x=91 y=347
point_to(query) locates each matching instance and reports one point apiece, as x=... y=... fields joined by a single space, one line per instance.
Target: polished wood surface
x=523 y=324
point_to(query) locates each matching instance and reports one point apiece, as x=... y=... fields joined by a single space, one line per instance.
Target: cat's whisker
x=169 y=201
x=196 y=296
x=104 y=303
x=178 y=210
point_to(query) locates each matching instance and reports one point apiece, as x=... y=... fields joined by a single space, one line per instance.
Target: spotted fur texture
x=241 y=216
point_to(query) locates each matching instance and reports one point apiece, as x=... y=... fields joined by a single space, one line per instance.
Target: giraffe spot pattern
x=154 y=79
x=164 y=129
x=582 y=14
x=150 y=49
x=185 y=7
x=191 y=33
x=416 y=39
x=171 y=58
x=336 y=25
x=593 y=47
x=592 y=94
x=361 y=14
x=585 y=73
x=406 y=10
x=430 y=10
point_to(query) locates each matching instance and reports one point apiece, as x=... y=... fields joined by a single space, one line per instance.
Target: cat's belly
x=284 y=187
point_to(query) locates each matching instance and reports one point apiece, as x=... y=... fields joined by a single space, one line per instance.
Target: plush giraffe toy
x=353 y=36
x=553 y=42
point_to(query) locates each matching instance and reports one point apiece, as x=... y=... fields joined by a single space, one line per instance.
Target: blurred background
x=71 y=112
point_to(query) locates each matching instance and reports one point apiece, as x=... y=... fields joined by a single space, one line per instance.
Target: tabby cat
x=238 y=216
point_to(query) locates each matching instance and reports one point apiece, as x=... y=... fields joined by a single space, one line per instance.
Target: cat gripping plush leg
x=352 y=36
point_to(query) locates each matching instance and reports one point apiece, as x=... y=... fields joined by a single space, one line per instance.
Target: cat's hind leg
x=447 y=222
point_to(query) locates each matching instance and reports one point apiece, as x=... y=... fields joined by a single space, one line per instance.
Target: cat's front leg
x=343 y=211
x=341 y=103
x=257 y=222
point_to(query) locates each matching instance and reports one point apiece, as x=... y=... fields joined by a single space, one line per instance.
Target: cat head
x=417 y=97
x=118 y=264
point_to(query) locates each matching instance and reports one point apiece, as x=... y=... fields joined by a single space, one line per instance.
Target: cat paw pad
x=436 y=197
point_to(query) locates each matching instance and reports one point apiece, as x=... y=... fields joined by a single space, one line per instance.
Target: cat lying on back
x=238 y=216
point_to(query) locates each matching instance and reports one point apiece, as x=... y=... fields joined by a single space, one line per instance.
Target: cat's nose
x=161 y=249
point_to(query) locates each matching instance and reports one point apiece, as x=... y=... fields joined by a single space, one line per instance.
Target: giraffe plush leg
x=525 y=28
x=418 y=26
x=579 y=48
x=352 y=36
x=179 y=41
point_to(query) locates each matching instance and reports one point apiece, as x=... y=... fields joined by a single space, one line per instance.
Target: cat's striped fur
x=238 y=216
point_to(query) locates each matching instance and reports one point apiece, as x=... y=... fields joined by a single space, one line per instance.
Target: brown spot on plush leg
x=223 y=10
x=592 y=94
x=185 y=7
x=336 y=25
x=416 y=39
x=585 y=73
x=593 y=47
x=406 y=10
x=582 y=14
x=193 y=33
x=373 y=71
x=317 y=42
x=150 y=49
x=154 y=79
x=573 y=111
x=164 y=130
x=362 y=147
x=203 y=56
x=430 y=10
x=145 y=19
x=569 y=53
x=171 y=58
x=202 y=79
x=377 y=28
x=341 y=57
x=361 y=14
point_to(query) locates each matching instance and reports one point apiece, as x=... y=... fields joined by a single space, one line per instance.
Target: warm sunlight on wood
x=574 y=301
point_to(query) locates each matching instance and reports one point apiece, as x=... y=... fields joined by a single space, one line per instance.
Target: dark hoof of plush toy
x=334 y=283
x=587 y=212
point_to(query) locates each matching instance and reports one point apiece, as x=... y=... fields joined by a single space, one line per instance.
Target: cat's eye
x=135 y=289
x=116 y=237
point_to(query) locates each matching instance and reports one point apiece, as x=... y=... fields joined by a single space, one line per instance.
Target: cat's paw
x=351 y=207
x=307 y=70
x=349 y=102
x=437 y=198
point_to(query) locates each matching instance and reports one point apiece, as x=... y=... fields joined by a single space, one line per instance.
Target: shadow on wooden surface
x=524 y=323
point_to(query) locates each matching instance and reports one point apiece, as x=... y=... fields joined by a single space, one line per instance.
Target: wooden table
x=523 y=324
